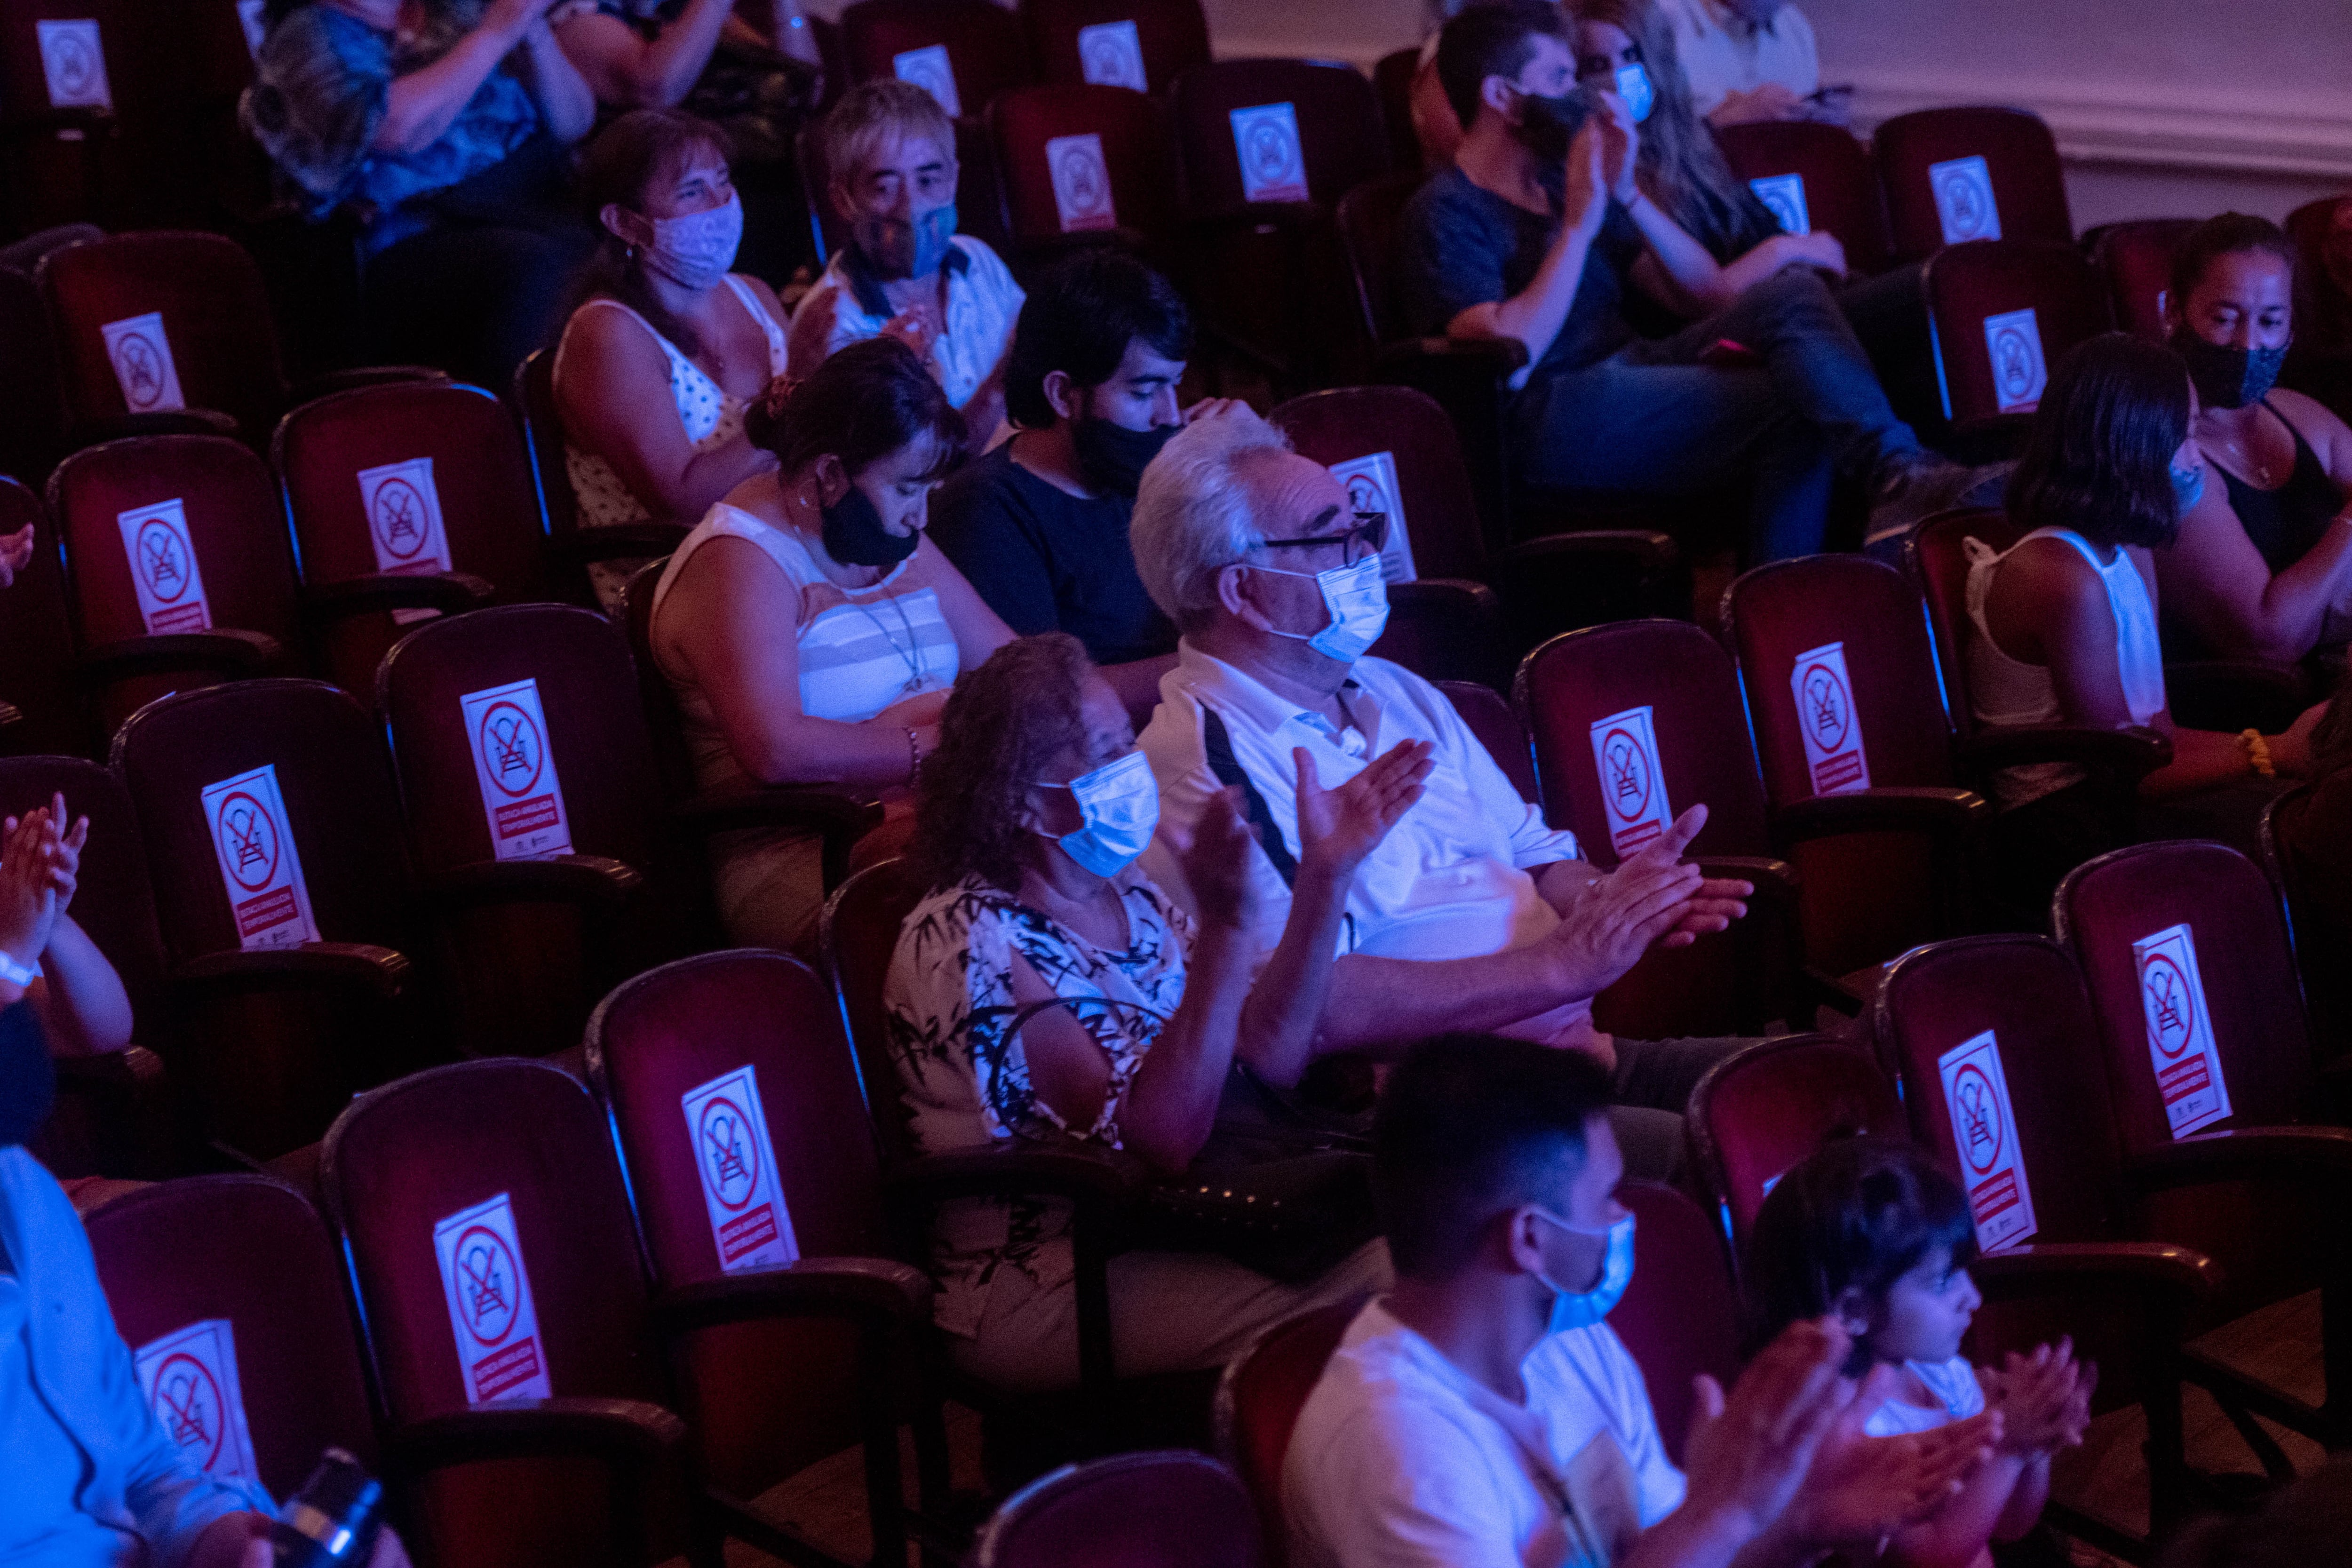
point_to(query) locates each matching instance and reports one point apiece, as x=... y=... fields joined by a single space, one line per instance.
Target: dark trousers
x=473 y=298
x=1654 y=1084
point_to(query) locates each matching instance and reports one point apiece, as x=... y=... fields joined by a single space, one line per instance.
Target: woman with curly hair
x=1031 y=814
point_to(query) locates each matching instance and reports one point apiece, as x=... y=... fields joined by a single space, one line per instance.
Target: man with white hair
x=1471 y=914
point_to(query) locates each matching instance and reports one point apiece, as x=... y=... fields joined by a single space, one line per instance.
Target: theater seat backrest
x=1680 y=1316
x=1259 y=1399
x=1168 y=1510
x=1758 y=1114
x=860 y=930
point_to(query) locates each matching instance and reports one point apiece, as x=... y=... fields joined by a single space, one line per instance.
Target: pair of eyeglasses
x=1371 y=527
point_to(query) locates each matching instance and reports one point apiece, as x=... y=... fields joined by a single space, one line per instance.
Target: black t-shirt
x=1047 y=561
x=1459 y=245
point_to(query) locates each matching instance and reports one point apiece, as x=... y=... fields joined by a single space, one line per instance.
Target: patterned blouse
x=948 y=1000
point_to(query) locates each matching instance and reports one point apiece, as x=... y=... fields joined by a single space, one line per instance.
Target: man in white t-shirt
x=1746 y=60
x=1484 y=1415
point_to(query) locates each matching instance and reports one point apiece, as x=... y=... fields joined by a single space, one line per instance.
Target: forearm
x=1383 y=1004
x=1683 y=259
x=562 y=94
x=1278 y=1021
x=1959 y=1529
x=2288 y=617
x=874 y=755
x=1172 y=1104
x=1691 y=1538
x=421 y=105
x=2200 y=759
x=1742 y=273
x=668 y=68
x=82 y=1002
x=707 y=478
x=2026 y=1500
x=1535 y=314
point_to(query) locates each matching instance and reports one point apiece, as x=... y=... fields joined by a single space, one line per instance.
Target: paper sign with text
x=1632 y=784
x=73 y=63
x=1372 y=484
x=2179 y=1033
x=259 y=869
x=141 y=357
x=403 y=514
x=520 y=793
x=490 y=1310
x=1964 y=203
x=1274 y=165
x=1992 y=1168
x=928 y=69
x=749 y=1224
x=1111 y=54
x=1827 y=722
x=2018 y=374
x=189 y=1379
x=1082 y=197
x=164 y=570
x=1784 y=195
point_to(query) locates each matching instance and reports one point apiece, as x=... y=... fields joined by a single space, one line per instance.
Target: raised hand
x=64 y=851
x=1862 y=1489
x=28 y=901
x=918 y=326
x=1584 y=200
x=1620 y=143
x=1746 y=1454
x=16 y=554
x=1338 y=827
x=1217 y=861
x=2044 y=1399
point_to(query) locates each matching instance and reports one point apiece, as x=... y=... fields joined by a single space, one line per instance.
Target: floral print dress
x=949 y=1001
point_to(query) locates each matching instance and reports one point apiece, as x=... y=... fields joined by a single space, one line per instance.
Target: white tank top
x=2005 y=692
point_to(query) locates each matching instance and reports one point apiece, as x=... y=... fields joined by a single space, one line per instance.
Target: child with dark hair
x=1871 y=1232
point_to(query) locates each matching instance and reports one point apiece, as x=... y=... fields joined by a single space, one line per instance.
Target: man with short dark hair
x=1484 y=1415
x=1538 y=232
x=1039 y=525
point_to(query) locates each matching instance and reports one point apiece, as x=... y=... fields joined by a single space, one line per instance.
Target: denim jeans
x=1652 y=418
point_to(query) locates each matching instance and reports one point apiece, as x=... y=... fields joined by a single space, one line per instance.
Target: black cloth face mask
x=2228 y=377
x=1111 y=458
x=854 y=534
x=29 y=1082
x=1547 y=125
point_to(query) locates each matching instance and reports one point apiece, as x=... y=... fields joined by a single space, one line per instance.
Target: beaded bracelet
x=2258 y=753
x=913 y=755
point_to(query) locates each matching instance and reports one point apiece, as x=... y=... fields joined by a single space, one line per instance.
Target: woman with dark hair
x=449 y=125
x=808 y=630
x=1039 y=524
x=658 y=308
x=2264 y=564
x=1031 y=819
x=2065 y=624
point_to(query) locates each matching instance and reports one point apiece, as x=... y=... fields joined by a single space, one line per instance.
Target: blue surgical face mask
x=1582 y=1308
x=1120 y=804
x=1356 y=598
x=2188 y=487
x=1633 y=86
x=901 y=247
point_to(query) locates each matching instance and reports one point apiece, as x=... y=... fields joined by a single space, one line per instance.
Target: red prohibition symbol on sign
x=398 y=515
x=142 y=368
x=252 y=835
x=1828 y=708
x=1960 y=196
x=1270 y=152
x=2171 y=1009
x=1627 y=787
x=1980 y=1118
x=161 y=561
x=487 y=1298
x=188 y=1406
x=2014 y=364
x=730 y=1154
x=511 y=744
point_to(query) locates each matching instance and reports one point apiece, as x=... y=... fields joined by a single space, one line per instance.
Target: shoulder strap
x=750 y=300
x=1219 y=745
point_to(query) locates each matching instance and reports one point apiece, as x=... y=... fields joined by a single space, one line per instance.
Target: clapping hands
x=1338 y=827
x=2044 y=1399
x=16 y=554
x=40 y=862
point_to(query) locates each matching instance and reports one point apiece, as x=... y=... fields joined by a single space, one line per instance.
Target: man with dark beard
x=1039 y=525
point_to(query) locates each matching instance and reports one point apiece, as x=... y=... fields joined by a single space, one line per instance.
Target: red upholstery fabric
x=1967 y=284
x=1344 y=424
x=1762 y=1112
x=984 y=43
x=1173 y=35
x=44 y=710
x=244 y=1248
x=1139 y=156
x=1498 y=730
x=1339 y=131
x=2020 y=156
x=2136 y=259
x=1939 y=569
x=1680 y=1316
x=1137 y=1510
x=1842 y=191
x=114 y=901
x=860 y=932
x=1258 y=1403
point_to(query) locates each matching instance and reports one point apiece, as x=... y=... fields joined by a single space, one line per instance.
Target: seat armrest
x=1775 y=881
x=452 y=593
x=625 y=1433
x=2134 y=751
x=2038 y=1268
x=586 y=879
x=128 y=1070
x=358 y=966
x=813 y=808
x=862 y=1288
x=1937 y=809
x=2301 y=1154
x=227 y=650
x=1007 y=1173
x=622 y=540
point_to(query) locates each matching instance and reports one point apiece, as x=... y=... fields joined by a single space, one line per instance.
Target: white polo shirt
x=1722 y=53
x=984 y=302
x=1451 y=879
x=1401 y=1459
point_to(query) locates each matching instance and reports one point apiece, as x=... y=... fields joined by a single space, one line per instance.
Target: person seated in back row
x=1539 y=232
x=1472 y=913
x=659 y=308
x=1483 y=1413
x=2263 y=565
x=1039 y=524
x=890 y=159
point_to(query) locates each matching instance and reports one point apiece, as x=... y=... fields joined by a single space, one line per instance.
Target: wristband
x=2257 y=751
x=18 y=974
